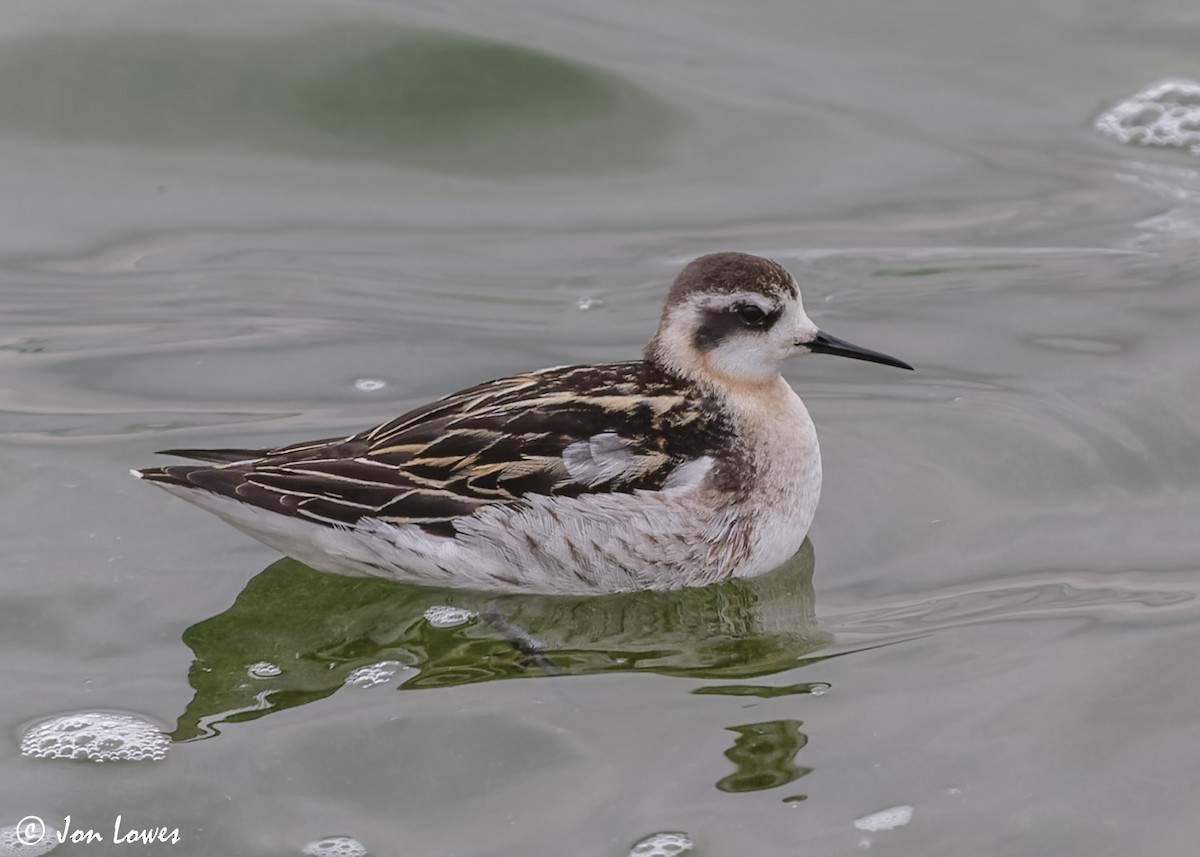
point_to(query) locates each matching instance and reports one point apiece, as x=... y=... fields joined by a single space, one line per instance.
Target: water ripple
x=336 y=92
x=1132 y=597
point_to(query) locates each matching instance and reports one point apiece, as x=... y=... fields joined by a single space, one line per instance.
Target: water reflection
x=764 y=754
x=320 y=632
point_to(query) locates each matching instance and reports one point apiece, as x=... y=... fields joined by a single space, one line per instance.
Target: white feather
x=689 y=475
x=600 y=458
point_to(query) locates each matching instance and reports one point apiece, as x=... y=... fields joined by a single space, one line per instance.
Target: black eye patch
x=716 y=325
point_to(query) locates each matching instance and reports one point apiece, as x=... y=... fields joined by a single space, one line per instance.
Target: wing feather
x=566 y=431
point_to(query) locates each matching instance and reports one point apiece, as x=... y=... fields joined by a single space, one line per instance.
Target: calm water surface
x=292 y=220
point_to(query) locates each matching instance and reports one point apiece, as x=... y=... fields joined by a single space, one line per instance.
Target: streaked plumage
x=689 y=466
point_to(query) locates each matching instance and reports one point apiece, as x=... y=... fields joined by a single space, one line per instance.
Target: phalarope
x=692 y=465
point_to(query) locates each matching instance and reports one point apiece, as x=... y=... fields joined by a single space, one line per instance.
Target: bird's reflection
x=294 y=636
x=764 y=754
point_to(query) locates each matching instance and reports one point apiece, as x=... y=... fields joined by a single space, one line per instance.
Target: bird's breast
x=783 y=460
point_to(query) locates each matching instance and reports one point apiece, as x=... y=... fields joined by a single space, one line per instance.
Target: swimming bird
x=692 y=465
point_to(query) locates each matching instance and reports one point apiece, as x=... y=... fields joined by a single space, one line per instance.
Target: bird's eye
x=751 y=315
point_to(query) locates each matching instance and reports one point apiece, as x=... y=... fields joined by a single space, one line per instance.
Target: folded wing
x=565 y=431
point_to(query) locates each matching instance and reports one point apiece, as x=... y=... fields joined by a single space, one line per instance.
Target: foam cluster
x=444 y=616
x=667 y=844
x=263 y=669
x=1165 y=114
x=373 y=674
x=885 y=819
x=336 y=846
x=95 y=737
x=29 y=841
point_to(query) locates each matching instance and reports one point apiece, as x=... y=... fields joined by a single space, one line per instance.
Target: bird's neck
x=697 y=367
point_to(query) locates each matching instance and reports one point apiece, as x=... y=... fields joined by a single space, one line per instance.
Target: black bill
x=823 y=343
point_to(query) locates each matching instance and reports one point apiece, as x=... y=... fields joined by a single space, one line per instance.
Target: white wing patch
x=690 y=474
x=600 y=458
x=608 y=457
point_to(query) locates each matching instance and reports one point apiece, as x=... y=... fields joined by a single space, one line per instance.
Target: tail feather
x=175 y=474
x=217 y=456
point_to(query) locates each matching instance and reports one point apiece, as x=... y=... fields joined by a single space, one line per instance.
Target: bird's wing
x=564 y=431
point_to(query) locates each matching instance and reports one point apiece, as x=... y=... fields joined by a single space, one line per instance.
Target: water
x=283 y=221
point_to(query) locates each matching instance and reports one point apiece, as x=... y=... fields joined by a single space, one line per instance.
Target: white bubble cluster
x=95 y=737
x=1164 y=114
x=885 y=819
x=373 y=674
x=369 y=385
x=29 y=839
x=336 y=846
x=667 y=844
x=444 y=616
x=263 y=669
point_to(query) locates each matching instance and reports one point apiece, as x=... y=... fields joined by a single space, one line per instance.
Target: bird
x=695 y=464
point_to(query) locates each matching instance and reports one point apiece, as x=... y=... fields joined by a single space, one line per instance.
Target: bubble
x=586 y=304
x=335 y=846
x=28 y=839
x=1165 y=114
x=95 y=737
x=885 y=819
x=666 y=844
x=263 y=669
x=369 y=385
x=373 y=674
x=444 y=616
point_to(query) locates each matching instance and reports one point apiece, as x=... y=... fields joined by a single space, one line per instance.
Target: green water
x=337 y=93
